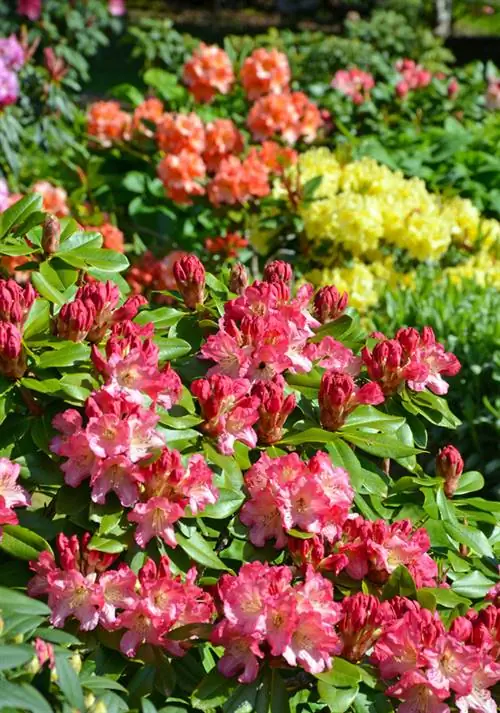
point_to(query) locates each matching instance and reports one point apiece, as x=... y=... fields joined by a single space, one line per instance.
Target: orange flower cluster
x=265 y=72
x=55 y=198
x=113 y=238
x=222 y=140
x=107 y=123
x=150 y=274
x=237 y=181
x=181 y=175
x=208 y=72
x=179 y=132
x=150 y=110
x=226 y=245
x=289 y=116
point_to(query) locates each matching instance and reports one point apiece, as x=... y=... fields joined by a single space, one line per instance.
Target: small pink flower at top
x=208 y=72
x=117 y=8
x=265 y=71
x=222 y=141
x=151 y=110
x=354 y=83
x=107 y=123
x=413 y=76
x=32 y=9
x=180 y=132
x=182 y=175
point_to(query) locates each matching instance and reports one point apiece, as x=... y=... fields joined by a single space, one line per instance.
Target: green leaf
x=200 y=551
x=101 y=259
x=401 y=584
x=22 y=696
x=19 y=212
x=432 y=407
x=310 y=435
x=46 y=289
x=473 y=586
x=469 y=482
x=12 y=602
x=473 y=538
x=38 y=320
x=67 y=355
x=213 y=691
x=338 y=700
x=343 y=674
x=378 y=444
x=172 y=348
x=162 y=318
x=106 y=544
x=68 y=682
x=22 y=543
x=227 y=503
x=79 y=239
x=368 y=417
x=14 y=656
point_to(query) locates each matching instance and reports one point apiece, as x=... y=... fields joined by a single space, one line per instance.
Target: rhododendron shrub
x=224 y=494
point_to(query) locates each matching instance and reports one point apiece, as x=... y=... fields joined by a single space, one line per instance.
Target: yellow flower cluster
x=364 y=215
x=363 y=206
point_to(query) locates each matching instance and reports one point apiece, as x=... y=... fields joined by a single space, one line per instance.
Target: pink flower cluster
x=290 y=116
x=354 y=83
x=15 y=305
x=12 y=59
x=413 y=77
x=374 y=549
x=145 y=607
x=286 y=493
x=414 y=359
x=432 y=665
x=264 y=612
x=11 y=493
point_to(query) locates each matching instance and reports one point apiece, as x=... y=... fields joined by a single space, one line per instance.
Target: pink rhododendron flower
x=413 y=76
x=260 y=606
x=265 y=71
x=12 y=355
x=182 y=174
x=449 y=466
x=11 y=493
x=44 y=653
x=131 y=367
x=9 y=86
x=364 y=617
x=329 y=304
x=228 y=409
x=274 y=408
x=189 y=275
x=117 y=8
x=354 y=83
x=208 y=72
x=288 y=493
x=418 y=694
x=32 y=9
x=11 y=53
x=375 y=549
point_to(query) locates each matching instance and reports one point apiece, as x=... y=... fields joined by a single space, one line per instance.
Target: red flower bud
x=105 y=297
x=329 y=304
x=238 y=278
x=75 y=320
x=364 y=616
x=12 y=356
x=278 y=271
x=189 y=275
x=339 y=395
x=449 y=466
x=306 y=552
x=51 y=234
x=15 y=301
x=274 y=409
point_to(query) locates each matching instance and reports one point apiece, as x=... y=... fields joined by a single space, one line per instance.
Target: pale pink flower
x=354 y=83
